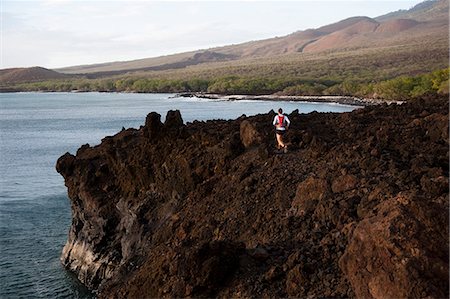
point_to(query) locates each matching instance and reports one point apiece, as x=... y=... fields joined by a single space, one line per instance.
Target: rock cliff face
x=358 y=207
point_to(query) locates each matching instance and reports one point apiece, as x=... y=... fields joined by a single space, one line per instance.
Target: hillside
x=358 y=207
x=430 y=10
x=404 y=55
x=425 y=23
x=32 y=74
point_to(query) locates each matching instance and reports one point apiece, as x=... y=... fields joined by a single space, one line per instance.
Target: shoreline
x=343 y=100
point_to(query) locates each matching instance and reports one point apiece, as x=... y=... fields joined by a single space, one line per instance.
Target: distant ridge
x=424 y=11
x=197 y=58
x=32 y=74
x=425 y=21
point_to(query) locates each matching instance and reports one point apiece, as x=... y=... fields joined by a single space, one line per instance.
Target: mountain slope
x=343 y=36
x=291 y=43
x=32 y=74
x=427 y=21
x=430 y=10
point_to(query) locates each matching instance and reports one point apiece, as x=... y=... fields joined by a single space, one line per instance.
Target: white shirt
x=277 y=124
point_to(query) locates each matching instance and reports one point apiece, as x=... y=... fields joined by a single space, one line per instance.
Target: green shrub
x=304 y=89
x=405 y=88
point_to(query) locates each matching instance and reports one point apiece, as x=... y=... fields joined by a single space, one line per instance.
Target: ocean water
x=35 y=130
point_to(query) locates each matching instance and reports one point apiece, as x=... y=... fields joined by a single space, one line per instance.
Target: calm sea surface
x=35 y=130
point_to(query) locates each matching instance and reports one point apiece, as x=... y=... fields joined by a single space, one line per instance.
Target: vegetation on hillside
x=358 y=72
x=400 y=88
x=398 y=73
x=404 y=88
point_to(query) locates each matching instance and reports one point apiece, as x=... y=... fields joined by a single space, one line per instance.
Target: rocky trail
x=358 y=207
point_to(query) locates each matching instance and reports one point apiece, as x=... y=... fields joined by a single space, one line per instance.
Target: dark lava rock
x=259 y=254
x=249 y=134
x=396 y=253
x=153 y=125
x=343 y=183
x=309 y=193
x=358 y=207
x=173 y=120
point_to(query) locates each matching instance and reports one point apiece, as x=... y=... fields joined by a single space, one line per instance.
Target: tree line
x=401 y=88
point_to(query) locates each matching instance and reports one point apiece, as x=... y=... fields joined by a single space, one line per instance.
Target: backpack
x=281 y=121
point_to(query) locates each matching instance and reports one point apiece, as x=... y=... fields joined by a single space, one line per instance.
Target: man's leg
x=280 y=140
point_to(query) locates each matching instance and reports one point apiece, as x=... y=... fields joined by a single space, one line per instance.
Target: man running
x=281 y=123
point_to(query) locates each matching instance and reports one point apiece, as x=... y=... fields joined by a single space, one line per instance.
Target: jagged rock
x=343 y=183
x=390 y=255
x=161 y=211
x=295 y=282
x=210 y=266
x=65 y=164
x=309 y=193
x=173 y=120
x=153 y=125
x=234 y=146
x=249 y=134
x=434 y=186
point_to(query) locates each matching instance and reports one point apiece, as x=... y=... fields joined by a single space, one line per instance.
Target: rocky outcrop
x=358 y=207
x=249 y=134
x=394 y=254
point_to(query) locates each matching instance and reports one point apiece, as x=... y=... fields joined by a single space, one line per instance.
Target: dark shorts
x=280 y=132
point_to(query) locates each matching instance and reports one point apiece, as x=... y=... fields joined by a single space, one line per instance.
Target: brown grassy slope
x=342 y=37
x=425 y=11
x=427 y=23
x=361 y=64
x=396 y=25
x=127 y=65
x=370 y=34
x=291 y=43
x=32 y=74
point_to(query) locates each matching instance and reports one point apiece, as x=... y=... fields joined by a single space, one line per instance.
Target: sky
x=59 y=33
